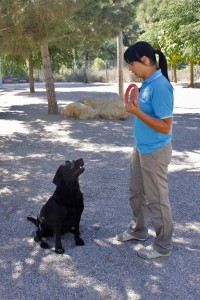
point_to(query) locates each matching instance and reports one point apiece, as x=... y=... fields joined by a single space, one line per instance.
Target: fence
x=107 y=72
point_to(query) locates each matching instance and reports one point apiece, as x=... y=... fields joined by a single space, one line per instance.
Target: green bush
x=98 y=64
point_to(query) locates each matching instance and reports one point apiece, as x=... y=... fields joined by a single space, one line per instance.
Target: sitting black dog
x=62 y=212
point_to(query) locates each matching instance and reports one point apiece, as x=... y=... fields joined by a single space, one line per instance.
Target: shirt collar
x=153 y=76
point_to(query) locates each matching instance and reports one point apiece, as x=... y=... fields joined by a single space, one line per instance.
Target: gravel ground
x=33 y=144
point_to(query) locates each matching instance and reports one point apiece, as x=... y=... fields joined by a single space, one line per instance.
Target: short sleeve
x=163 y=101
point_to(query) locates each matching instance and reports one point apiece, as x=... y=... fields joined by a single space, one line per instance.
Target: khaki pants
x=149 y=196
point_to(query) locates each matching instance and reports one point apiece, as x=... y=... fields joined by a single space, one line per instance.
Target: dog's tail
x=33 y=220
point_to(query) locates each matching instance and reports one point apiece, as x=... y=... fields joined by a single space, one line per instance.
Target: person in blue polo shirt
x=152 y=132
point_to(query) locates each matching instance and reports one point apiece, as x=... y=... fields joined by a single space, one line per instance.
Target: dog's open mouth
x=79 y=167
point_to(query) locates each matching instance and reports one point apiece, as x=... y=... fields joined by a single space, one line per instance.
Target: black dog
x=62 y=212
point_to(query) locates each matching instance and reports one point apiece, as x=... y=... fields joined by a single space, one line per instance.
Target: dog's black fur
x=62 y=212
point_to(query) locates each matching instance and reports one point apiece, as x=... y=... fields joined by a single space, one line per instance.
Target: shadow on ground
x=32 y=147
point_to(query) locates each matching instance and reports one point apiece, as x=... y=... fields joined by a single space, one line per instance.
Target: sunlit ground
x=33 y=144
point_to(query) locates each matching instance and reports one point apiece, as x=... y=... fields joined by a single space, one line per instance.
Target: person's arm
x=161 y=125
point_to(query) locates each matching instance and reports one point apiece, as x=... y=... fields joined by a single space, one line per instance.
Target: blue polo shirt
x=155 y=99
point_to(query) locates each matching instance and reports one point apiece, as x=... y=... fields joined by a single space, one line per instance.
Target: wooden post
x=191 y=74
x=31 y=79
x=120 y=65
x=0 y=75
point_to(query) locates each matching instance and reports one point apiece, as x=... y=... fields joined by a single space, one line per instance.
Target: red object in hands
x=127 y=93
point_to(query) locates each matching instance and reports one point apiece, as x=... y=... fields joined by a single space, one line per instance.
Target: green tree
x=185 y=18
x=68 y=24
x=13 y=65
x=174 y=27
x=10 y=39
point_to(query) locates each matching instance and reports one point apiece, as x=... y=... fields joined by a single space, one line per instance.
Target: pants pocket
x=163 y=155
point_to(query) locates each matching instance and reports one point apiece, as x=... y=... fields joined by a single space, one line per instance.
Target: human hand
x=132 y=107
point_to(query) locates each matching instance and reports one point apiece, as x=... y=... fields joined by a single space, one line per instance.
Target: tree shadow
x=104 y=268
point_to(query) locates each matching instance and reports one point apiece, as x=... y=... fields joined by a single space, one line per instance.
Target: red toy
x=127 y=93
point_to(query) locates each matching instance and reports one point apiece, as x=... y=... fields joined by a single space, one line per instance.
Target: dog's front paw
x=79 y=242
x=59 y=251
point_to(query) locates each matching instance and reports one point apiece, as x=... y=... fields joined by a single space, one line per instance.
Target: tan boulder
x=79 y=111
x=110 y=107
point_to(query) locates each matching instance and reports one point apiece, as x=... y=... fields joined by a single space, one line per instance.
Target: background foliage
x=79 y=32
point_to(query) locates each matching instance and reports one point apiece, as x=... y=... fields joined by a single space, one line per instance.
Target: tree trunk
x=106 y=67
x=86 y=67
x=49 y=82
x=120 y=65
x=174 y=73
x=191 y=74
x=31 y=80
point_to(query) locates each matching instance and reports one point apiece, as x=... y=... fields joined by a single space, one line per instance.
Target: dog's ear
x=58 y=177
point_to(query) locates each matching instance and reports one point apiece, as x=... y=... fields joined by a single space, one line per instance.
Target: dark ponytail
x=140 y=49
x=162 y=63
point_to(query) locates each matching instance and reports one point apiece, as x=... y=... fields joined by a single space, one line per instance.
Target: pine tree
x=68 y=23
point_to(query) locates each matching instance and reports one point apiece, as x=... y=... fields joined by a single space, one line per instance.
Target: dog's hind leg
x=38 y=238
